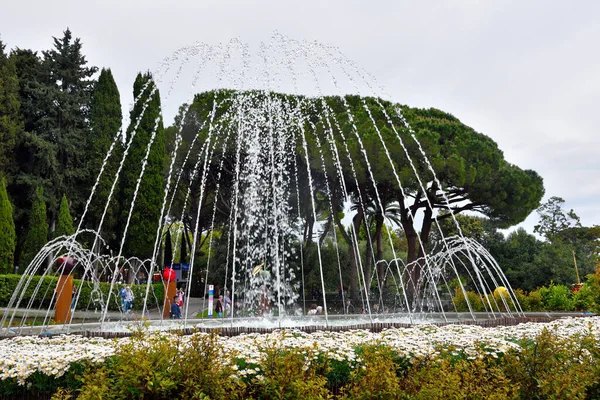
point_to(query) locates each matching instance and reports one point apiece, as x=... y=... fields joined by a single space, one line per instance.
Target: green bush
x=554 y=367
x=535 y=301
x=160 y=366
x=295 y=373
x=9 y=282
x=461 y=303
x=557 y=298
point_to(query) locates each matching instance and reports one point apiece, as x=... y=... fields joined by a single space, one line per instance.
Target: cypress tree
x=64 y=224
x=183 y=252
x=37 y=236
x=106 y=119
x=9 y=114
x=146 y=212
x=168 y=249
x=7 y=232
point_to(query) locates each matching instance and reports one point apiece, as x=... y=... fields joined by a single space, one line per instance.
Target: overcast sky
x=525 y=73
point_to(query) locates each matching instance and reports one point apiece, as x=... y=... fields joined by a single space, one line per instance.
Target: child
x=175 y=309
x=219 y=307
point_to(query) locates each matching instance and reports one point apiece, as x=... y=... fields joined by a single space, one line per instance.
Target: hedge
x=9 y=282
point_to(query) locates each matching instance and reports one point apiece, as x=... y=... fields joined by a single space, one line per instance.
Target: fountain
x=262 y=168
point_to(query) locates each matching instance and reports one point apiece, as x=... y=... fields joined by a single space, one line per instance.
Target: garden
x=560 y=359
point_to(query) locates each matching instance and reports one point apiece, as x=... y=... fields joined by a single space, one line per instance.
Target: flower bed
x=335 y=363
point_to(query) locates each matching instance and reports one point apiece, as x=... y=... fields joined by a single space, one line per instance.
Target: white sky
x=525 y=73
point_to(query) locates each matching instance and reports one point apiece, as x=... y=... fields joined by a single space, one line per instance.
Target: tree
x=563 y=230
x=148 y=141
x=10 y=123
x=37 y=235
x=7 y=231
x=473 y=174
x=168 y=258
x=361 y=150
x=70 y=87
x=106 y=118
x=52 y=149
x=64 y=225
x=553 y=219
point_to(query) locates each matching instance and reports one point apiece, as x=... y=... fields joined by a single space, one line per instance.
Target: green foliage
x=64 y=225
x=157 y=366
x=148 y=146
x=460 y=301
x=376 y=375
x=105 y=120
x=40 y=385
x=290 y=374
x=7 y=231
x=556 y=297
x=10 y=121
x=553 y=367
x=452 y=378
x=553 y=219
x=37 y=235
x=551 y=298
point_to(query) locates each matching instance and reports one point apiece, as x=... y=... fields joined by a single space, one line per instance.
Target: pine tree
x=10 y=123
x=146 y=212
x=70 y=86
x=64 y=224
x=106 y=119
x=37 y=235
x=7 y=232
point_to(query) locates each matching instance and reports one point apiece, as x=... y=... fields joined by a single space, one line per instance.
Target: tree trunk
x=381 y=267
x=353 y=276
x=356 y=222
x=412 y=270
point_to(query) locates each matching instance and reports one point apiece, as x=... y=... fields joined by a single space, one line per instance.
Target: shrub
x=535 y=301
x=375 y=376
x=556 y=298
x=457 y=378
x=158 y=366
x=551 y=367
x=296 y=373
x=523 y=300
x=461 y=303
x=584 y=298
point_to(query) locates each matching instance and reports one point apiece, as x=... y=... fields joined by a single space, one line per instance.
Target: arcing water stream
x=269 y=172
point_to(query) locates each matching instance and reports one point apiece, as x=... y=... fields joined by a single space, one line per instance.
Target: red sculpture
x=65 y=264
x=169 y=274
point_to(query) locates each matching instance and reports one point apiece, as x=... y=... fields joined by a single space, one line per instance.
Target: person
x=73 y=298
x=227 y=301
x=319 y=310
x=219 y=307
x=123 y=294
x=349 y=307
x=313 y=309
x=128 y=298
x=175 y=309
x=180 y=295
